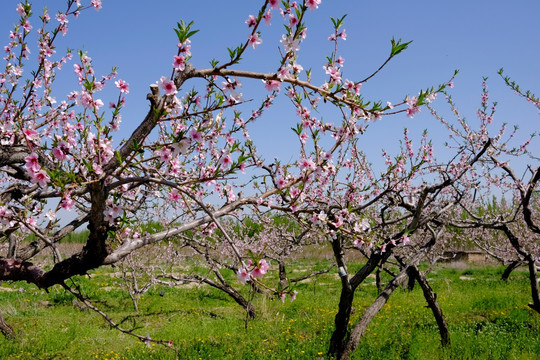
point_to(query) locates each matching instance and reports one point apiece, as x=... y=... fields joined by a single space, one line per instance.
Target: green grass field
x=488 y=319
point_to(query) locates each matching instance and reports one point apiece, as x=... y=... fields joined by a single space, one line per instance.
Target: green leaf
x=118 y=156
x=298 y=129
x=184 y=32
x=398 y=46
x=338 y=22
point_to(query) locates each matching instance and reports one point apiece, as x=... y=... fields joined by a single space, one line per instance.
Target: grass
x=488 y=319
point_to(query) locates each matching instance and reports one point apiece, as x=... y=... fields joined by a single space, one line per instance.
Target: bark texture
x=431 y=298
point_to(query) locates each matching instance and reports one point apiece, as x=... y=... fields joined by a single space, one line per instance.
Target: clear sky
x=475 y=36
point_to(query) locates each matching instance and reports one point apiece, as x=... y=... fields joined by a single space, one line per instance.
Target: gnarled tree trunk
x=431 y=298
x=533 y=277
x=506 y=274
x=348 y=287
x=369 y=314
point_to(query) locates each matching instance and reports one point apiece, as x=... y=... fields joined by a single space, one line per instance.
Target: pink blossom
x=174 y=195
x=334 y=73
x=412 y=111
x=339 y=221
x=165 y=154
x=27 y=27
x=182 y=146
x=97 y=168
x=20 y=10
x=297 y=68
x=195 y=135
x=290 y=43
x=51 y=215
x=251 y=21
x=293 y=295
x=179 y=62
x=243 y=275
x=242 y=167
x=413 y=108
x=84 y=99
x=30 y=134
x=264 y=265
x=97 y=104
x=113 y=212
x=62 y=18
x=226 y=161
x=293 y=20
x=284 y=73
x=362 y=226
x=58 y=154
x=313 y=4
x=5 y=215
x=123 y=86
x=40 y=177
x=307 y=164
x=185 y=47
x=272 y=85
x=358 y=243
x=267 y=17
x=32 y=163
x=320 y=217
x=254 y=40
x=67 y=202
x=96 y=4
x=167 y=85
x=352 y=87
x=147 y=341
x=31 y=221
x=405 y=240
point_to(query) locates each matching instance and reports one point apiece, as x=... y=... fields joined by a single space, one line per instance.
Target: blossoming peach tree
x=500 y=212
x=183 y=163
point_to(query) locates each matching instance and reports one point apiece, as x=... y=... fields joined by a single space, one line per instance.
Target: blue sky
x=477 y=37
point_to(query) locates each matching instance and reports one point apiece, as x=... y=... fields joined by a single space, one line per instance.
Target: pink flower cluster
x=251 y=271
x=37 y=174
x=293 y=294
x=413 y=107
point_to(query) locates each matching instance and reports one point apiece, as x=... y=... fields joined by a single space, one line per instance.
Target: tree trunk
x=341 y=321
x=411 y=280
x=506 y=274
x=376 y=306
x=533 y=277
x=433 y=304
x=339 y=336
x=378 y=280
x=12 y=250
x=6 y=330
x=283 y=282
x=369 y=314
